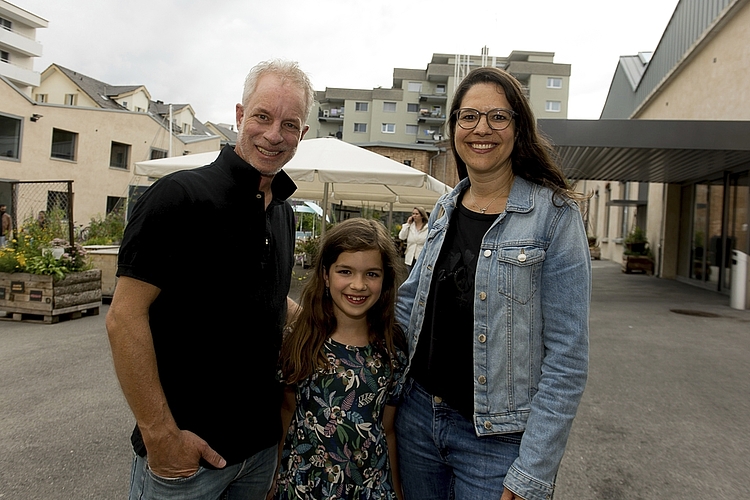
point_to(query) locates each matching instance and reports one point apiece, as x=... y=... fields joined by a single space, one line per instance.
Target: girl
x=340 y=363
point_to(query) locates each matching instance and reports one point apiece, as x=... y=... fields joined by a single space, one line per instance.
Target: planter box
x=23 y=295
x=104 y=257
x=638 y=263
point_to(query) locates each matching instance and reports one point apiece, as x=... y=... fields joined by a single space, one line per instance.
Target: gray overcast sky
x=199 y=52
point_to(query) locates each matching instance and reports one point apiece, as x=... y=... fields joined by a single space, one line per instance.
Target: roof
x=99 y=92
x=670 y=151
x=229 y=133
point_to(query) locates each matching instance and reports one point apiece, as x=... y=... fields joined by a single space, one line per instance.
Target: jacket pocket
x=518 y=271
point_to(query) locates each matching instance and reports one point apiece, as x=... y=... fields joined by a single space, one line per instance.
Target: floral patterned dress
x=336 y=446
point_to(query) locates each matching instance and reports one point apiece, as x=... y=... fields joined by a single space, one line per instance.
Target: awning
x=670 y=151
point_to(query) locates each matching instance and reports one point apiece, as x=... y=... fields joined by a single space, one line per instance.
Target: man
x=195 y=329
x=5 y=226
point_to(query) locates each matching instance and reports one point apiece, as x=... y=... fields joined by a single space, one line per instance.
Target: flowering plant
x=35 y=250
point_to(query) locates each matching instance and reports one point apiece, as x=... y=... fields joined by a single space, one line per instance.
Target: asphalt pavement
x=665 y=415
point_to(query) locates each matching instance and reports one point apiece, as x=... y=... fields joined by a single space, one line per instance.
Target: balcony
x=20 y=43
x=433 y=98
x=333 y=115
x=18 y=75
x=431 y=117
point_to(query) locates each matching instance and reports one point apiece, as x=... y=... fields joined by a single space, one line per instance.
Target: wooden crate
x=23 y=295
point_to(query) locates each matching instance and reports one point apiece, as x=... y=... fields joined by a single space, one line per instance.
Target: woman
x=414 y=232
x=498 y=351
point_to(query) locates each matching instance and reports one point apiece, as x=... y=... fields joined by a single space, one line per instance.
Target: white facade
x=18 y=45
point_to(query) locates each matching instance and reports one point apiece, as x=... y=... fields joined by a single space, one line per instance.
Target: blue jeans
x=440 y=455
x=247 y=480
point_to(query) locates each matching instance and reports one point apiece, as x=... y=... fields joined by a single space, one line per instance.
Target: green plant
x=308 y=246
x=107 y=230
x=637 y=235
x=636 y=242
x=31 y=251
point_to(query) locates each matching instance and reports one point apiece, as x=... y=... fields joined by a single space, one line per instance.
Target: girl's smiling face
x=355 y=282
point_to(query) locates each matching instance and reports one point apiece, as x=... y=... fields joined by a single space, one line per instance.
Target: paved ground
x=665 y=415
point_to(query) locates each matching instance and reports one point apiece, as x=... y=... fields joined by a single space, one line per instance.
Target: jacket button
x=482 y=296
x=482 y=379
x=487 y=253
x=488 y=425
x=482 y=338
x=437 y=399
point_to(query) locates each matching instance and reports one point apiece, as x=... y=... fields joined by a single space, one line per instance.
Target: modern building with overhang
x=671 y=151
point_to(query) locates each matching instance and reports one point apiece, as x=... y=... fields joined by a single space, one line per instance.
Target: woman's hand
x=410 y=220
x=509 y=495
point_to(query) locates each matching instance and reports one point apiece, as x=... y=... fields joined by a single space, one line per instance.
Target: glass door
x=738 y=218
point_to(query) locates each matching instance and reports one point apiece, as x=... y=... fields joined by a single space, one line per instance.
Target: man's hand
x=179 y=455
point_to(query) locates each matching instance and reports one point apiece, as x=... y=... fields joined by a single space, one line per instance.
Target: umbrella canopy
x=329 y=169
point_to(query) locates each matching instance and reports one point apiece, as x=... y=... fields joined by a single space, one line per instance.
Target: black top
x=444 y=361
x=217 y=321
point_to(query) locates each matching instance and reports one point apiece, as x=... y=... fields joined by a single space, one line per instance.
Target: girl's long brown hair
x=302 y=352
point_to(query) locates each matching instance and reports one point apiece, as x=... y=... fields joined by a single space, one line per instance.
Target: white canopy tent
x=331 y=170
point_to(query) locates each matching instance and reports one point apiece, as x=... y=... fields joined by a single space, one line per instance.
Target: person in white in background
x=414 y=232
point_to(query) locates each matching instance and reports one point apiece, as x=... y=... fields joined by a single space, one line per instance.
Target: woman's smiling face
x=483 y=149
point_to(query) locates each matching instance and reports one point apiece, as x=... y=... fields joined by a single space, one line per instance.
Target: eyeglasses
x=497 y=119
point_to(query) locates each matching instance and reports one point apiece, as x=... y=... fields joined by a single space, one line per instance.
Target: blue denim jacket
x=531 y=313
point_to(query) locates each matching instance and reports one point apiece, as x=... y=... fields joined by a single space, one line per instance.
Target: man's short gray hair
x=287 y=71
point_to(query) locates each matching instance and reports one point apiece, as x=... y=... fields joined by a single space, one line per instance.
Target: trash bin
x=738 y=291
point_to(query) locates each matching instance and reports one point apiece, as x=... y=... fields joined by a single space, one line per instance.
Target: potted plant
x=637 y=255
x=594 y=250
x=308 y=249
x=636 y=242
x=42 y=275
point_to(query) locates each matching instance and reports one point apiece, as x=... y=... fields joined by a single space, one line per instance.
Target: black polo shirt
x=223 y=264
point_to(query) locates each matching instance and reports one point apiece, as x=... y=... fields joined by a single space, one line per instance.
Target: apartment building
x=18 y=45
x=413 y=110
x=408 y=121
x=74 y=127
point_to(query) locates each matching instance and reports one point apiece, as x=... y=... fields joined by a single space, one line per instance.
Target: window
x=119 y=155
x=388 y=128
x=10 y=136
x=64 y=144
x=115 y=203
x=187 y=129
x=415 y=86
x=407 y=163
x=554 y=83
x=412 y=108
x=412 y=129
x=4 y=56
x=552 y=106
x=71 y=99
x=440 y=89
x=361 y=106
x=389 y=107
x=360 y=127
x=158 y=153
x=6 y=24
x=40 y=97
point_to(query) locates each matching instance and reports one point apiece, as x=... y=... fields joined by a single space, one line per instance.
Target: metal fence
x=42 y=201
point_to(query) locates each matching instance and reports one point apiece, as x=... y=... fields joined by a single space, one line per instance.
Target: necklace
x=474 y=201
